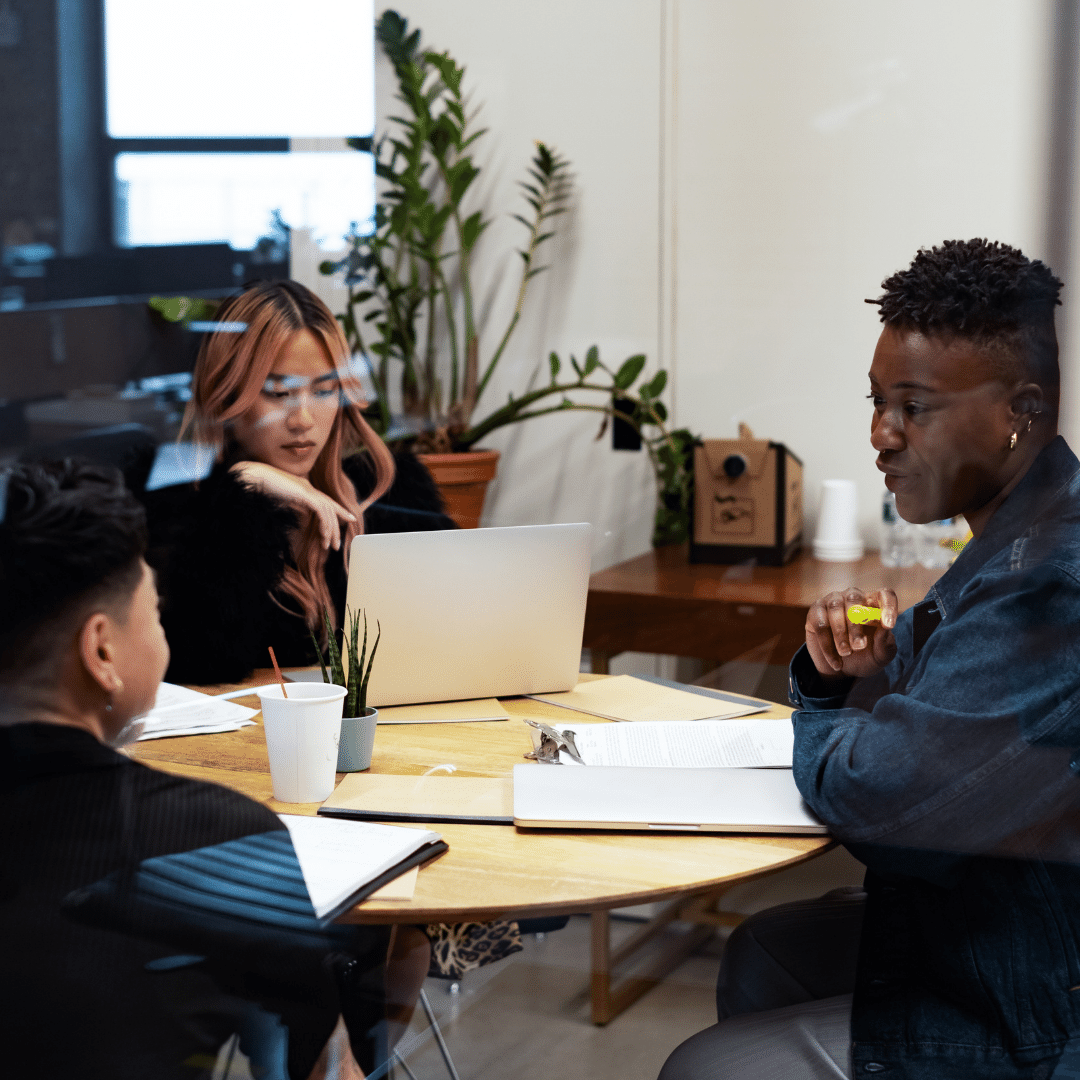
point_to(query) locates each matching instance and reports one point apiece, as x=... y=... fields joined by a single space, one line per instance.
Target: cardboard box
x=748 y=502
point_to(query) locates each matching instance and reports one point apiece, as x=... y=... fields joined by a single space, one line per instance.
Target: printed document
x=757 y=744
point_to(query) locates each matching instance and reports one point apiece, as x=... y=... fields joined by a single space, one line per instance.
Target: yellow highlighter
x=861 y=614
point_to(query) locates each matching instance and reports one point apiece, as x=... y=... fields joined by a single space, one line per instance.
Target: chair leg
x=399 y=1060
x=437 y=1032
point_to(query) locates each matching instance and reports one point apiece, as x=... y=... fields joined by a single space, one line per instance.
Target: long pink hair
x=230 y=372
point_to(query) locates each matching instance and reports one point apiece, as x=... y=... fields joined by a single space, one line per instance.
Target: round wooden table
x=496 y=871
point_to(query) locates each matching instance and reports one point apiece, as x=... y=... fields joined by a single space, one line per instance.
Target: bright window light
x=205 y=198
x=239 y=68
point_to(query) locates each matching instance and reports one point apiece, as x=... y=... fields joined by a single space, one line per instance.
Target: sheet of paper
x=423 y=798
x=401 y=888
x=735 y=744
x=444 y=712
x=338 y=857
x=623 y=697
x=180 y=711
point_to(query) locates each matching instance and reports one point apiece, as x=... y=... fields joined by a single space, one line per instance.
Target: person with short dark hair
x=112 y=969
x=939 y=745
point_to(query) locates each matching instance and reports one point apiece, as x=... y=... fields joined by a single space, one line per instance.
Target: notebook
x=661 y=800
x=472 y=613
x=345 y=861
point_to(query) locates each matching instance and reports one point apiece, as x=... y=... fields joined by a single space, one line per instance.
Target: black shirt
x=104 y=983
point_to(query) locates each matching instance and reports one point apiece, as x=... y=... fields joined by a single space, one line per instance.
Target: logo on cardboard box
x=732 y=515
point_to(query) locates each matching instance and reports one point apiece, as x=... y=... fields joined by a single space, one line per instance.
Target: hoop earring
x=1012 y=441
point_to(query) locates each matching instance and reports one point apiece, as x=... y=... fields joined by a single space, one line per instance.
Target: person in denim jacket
x=942 y=745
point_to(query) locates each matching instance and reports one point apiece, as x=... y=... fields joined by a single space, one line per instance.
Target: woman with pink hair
x=252 y=555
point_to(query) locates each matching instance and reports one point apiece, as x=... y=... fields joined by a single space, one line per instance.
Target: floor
x=527 y=1017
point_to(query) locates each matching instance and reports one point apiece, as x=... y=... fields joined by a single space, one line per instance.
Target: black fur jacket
x=220 y=549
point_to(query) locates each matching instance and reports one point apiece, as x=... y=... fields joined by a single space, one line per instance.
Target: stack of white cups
x=838 y=537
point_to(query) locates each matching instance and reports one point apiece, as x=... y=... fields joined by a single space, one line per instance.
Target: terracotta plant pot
x=462 y=480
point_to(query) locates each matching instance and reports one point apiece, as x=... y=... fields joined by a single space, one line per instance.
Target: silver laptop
x=661 y=800
x=472 y=613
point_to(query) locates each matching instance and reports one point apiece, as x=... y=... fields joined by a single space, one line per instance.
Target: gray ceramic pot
x=357 y=741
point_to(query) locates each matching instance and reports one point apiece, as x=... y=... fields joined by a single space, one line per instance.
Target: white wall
x=820 y=145
x=746 y=174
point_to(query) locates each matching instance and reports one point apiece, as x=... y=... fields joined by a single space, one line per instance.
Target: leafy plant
x=358 y=676
x=410 y=278
x=670 y=451
x=410 y=286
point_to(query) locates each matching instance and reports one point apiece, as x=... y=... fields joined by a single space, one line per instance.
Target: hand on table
x=840 y=648
x=299 y=492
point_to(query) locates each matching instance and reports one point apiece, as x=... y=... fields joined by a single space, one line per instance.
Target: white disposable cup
x=302 y=733
x=838 y=537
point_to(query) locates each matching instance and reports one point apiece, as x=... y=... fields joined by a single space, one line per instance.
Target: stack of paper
x=755 y=744
x=180 y=711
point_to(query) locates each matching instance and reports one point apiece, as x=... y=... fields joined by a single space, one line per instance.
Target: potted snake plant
x=358 y=719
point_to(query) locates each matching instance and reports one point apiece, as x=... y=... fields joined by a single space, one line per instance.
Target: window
x=203 y=111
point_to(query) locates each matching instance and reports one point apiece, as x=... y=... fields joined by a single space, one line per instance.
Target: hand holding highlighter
x=861 y=614
x=850 y=633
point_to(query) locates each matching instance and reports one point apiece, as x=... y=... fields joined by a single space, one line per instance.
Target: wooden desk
x=660 y=603
x=492 y=871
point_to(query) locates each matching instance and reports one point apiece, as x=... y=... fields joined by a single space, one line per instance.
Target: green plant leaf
x=576 y=366
x=656 y=386
x=471 y=228
x=629 y=371
x=336 y=670
x=592 y=359
x=352 y=620
x=319 y=654
x=370 y=663
x=555 y=363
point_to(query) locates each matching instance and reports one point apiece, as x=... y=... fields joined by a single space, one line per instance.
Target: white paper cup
x=302 y=733
x=838 y=537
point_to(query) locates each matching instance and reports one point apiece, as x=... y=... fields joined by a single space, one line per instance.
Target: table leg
x=609 y=998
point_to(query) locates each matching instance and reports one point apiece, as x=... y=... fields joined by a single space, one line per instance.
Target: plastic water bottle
x=897 y=535
x=933 y=553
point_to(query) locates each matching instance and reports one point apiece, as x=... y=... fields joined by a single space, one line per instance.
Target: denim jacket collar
x=1040 y=488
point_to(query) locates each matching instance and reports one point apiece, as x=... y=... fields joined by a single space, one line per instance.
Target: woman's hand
x=840 y=648
x=298 y=492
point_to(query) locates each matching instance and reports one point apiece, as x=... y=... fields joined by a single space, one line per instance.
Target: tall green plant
x=358 y=675
x=410 y=278
x=410 y=285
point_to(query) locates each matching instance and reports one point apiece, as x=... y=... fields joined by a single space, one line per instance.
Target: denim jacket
x=953 y=775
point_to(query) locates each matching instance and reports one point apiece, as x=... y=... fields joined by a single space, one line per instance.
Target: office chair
x=127 y=447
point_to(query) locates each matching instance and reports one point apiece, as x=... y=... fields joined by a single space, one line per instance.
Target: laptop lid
x=472 y=613
x=661 y=799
